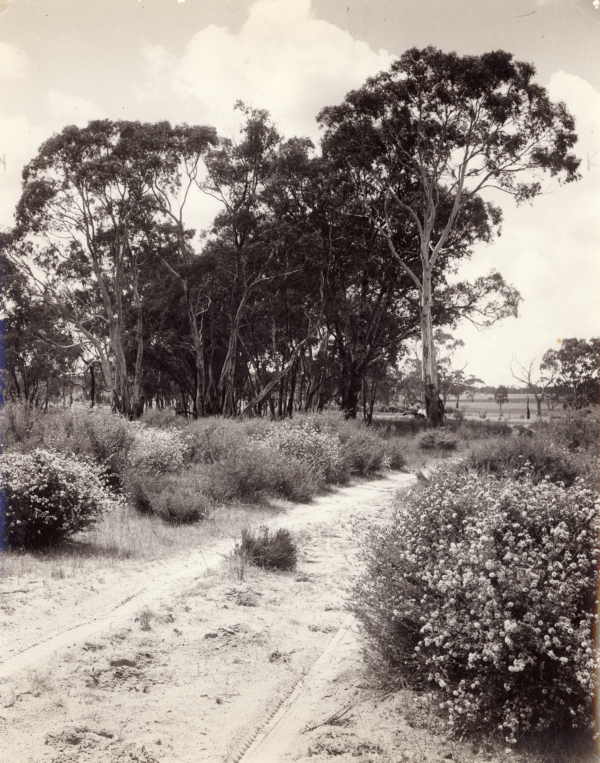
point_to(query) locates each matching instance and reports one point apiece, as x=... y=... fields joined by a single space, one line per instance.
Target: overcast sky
x=68 y=61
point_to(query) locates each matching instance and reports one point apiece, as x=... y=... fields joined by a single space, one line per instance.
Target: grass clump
x=483 y=589
x=268 y=550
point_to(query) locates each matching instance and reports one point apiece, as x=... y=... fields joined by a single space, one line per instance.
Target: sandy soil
x=201 y=659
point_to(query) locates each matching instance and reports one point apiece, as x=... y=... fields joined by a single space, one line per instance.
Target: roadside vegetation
x=481 y=591
x=68 y=470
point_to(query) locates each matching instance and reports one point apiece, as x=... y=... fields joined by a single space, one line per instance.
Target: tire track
x=180 y=576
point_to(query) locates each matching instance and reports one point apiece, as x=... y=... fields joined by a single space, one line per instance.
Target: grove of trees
x=321 y=263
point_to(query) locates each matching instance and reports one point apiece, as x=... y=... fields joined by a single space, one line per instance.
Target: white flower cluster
x=320 y=451
x=486 y=588
x=158 y=450
x=49 y=496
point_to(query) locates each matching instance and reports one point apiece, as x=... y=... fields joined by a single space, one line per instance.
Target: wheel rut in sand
x=184 y=573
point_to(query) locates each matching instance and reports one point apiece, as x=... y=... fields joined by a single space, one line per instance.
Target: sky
x=67 y=61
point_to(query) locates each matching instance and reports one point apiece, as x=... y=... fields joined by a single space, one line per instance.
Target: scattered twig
x=333 y=720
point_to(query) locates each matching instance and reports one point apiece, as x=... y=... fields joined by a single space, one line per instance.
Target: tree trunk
x=538 y=405
x=433 y=403
x=351 y=389
x=137 y=405
x=92 y=385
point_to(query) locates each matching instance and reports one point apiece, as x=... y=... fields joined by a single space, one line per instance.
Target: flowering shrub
x=158 y=450
x=49 y=496
x=212 y=440
x=484 y=589
x=108 y=439
x=303 y=441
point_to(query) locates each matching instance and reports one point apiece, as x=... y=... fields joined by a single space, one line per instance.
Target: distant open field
x=485 y=406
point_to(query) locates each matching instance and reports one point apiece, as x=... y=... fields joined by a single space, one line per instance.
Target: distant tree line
x=319 y=266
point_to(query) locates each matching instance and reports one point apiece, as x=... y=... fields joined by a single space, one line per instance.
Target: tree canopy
x=321 y=263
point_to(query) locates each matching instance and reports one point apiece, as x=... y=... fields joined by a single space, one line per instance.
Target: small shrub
x=255 y=470
x=485 y=590
x=213 y=440
x=158 y=450
x=437 y=441
x=303 y=441
x=458 y=415
x=540 y=457
x=472 y=429
x=105 y=436
x=163 y=418
x=179 y=499
x=363 y=452
x=269 y=550
x=399 y=427
x=394 y=453
x=49 y=496
x=576 y=432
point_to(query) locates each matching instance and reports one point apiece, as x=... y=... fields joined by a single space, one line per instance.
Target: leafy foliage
x=538 y=457
x=484 y=589
x=50 y=496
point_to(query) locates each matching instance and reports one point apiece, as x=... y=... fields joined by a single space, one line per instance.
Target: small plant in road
x=269 y=550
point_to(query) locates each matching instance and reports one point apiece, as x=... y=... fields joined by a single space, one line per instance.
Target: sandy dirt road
x=202 y=660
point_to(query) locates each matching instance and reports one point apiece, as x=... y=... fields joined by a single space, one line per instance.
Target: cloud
x=64 y=108
x=13 y=62
x=583 y=101
x=549 y=251
x=281 y=59
x=19 y=139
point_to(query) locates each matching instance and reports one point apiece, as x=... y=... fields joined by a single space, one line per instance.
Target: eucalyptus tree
x=176 y=156
x=40 y=355
x=86 y=221
x=429 y=136
x=575 y=370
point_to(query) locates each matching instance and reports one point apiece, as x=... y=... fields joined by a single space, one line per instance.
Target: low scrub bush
x=576 y=432
x=103 y=435
x=485 y=590
x=398 y=427
x=320 y=451
x=175 y=498
x=538 y=456
x=213 y=440
x=472 y=429
x=255 y=470
x=91 y=433
x=49 y=496
x=363 y=450
x=158 y=450
x=437 y=440
x=164 y=418
x=395 y=456
x=269 y=550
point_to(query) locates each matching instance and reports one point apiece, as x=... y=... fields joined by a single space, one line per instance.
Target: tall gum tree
x=433 y=133
x=86 y=220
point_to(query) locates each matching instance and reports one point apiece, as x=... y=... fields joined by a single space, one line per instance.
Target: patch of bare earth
x=214 y=661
